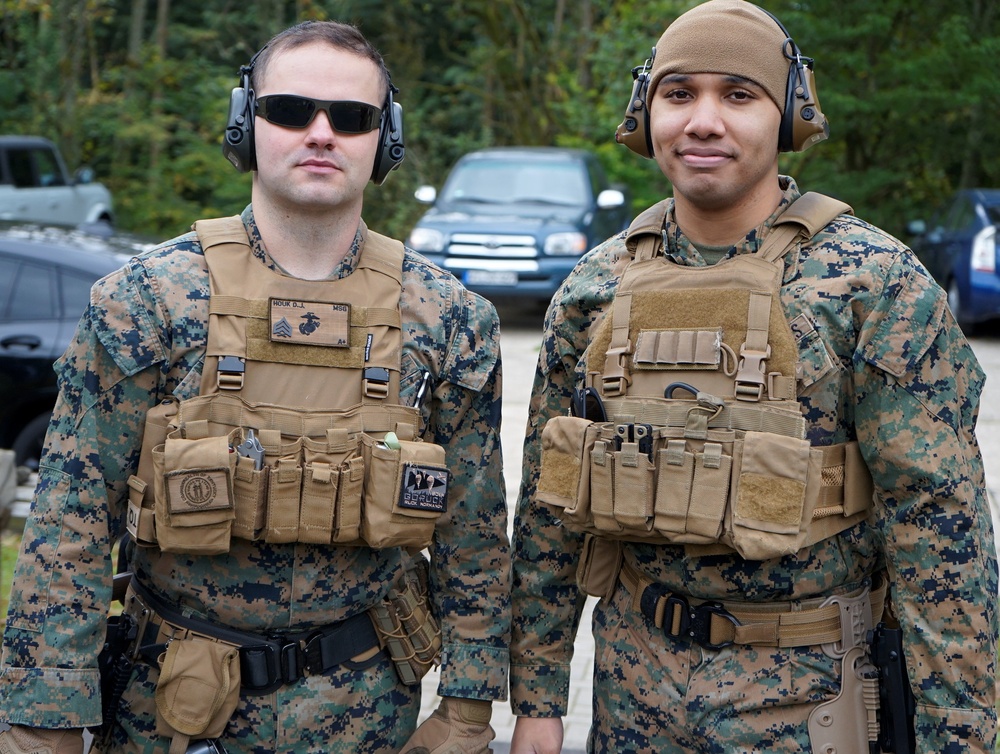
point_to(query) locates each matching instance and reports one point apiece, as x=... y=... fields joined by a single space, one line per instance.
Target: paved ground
x=521 y=330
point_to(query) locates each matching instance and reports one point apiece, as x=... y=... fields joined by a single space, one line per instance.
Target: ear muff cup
x=237 y=141
x=390 y=140
x=803 y=123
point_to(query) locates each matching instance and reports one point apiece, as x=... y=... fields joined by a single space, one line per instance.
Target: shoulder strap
x=802 y=219
x=221 y=230
x=805 y=217
x=644 y=232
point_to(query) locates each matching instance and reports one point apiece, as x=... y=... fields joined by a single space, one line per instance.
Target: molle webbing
x=230 y=410
x=259 y=347
x=701 y=440
x=780 y=418
x=344 y=333
x=297 y=434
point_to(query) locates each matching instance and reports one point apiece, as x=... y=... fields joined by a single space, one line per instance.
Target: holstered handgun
x=896 y=703
x=115 y=665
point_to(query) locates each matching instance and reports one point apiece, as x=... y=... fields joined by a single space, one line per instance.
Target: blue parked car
x=959 y=249
x=511 y=222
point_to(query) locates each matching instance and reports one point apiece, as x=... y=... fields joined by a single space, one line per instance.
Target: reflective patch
x=312 y=323
x=424 y=488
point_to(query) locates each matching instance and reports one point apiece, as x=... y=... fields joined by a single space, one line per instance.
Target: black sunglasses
x=293 y=111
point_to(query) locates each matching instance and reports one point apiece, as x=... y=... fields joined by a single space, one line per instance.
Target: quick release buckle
x=680 y=620
x=700 y=624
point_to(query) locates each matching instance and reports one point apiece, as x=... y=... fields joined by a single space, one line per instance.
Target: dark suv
x=45 y=279
x=513 y=221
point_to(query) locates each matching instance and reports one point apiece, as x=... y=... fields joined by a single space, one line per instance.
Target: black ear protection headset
x=238 y=140
x=802 y=123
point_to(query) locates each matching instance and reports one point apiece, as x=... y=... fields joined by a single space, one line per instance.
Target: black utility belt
x=266 y=662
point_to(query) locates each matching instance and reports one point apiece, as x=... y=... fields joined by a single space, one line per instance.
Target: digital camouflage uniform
x=143 y=338
x=882 y=362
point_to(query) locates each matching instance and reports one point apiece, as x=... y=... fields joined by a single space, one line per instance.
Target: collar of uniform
x=257 y=248
x=680 y=250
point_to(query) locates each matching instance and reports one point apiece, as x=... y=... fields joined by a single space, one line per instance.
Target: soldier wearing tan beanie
x=715 y=562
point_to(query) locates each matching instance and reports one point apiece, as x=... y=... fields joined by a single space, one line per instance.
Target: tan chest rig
x=297 y=434
x=702 y=441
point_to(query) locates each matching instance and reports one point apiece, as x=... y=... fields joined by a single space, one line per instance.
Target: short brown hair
x=341 y=36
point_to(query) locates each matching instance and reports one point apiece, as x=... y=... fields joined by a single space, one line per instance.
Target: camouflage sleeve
x=546 y=600
x=917 y=395
x=62 y=580
x=470 y=575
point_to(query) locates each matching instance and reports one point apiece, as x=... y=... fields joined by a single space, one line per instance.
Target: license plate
x=490 y=277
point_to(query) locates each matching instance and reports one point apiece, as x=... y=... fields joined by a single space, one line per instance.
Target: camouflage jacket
x=143 y=338
x=884 y=363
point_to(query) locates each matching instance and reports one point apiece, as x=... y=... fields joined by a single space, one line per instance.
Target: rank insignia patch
x=310 y=322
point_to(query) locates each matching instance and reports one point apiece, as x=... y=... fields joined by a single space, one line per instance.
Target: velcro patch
x=198 y=490
x=311 y=323
x=425 y=488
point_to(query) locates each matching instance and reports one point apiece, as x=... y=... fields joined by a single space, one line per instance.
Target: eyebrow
x=731 y=78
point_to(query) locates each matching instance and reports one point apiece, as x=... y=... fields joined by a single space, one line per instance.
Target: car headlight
x=426 y=239
x=566 y=244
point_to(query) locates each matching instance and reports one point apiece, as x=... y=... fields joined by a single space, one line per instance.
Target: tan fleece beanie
x=725 y=36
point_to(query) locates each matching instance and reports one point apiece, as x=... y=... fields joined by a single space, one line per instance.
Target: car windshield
x=508 y=182
x=993 y=213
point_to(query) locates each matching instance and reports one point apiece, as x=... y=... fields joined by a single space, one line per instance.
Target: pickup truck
x=511 y=222
x=35 y=186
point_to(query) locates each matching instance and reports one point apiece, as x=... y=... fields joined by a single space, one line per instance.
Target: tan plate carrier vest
x=313 y=369
x=704 y=443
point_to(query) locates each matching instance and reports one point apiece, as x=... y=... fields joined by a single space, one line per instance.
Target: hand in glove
x=23 y=740
x=457 y=726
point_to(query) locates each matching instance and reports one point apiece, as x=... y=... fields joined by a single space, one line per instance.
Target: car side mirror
x=84 y=175
x=425 y=194
x=610 y=198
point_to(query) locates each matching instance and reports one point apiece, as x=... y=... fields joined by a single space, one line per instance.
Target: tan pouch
x=193 y=483
x=198 y=689
x=769 y=495
x=405 y=492
x=331 y=489
x=600 y=562
x=407 y=627
x=284 y=490
x=564 y=480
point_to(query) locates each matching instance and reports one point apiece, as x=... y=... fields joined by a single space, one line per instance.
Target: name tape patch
x=311 y=323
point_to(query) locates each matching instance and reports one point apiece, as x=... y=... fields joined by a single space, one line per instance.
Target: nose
x=320 y=133
x=705 y=118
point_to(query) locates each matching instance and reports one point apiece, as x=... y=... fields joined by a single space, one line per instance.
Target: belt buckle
x=262 y=660
x=699 y=628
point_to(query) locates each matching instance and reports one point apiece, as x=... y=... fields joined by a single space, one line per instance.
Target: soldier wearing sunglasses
x=247 y=402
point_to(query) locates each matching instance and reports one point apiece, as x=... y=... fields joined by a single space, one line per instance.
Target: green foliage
x=909 y=88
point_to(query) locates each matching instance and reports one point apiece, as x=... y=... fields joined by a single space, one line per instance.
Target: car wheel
x=28 y=444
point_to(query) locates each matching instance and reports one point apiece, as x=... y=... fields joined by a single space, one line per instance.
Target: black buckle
x=260 y=668
x=700 y=624
x=694 y=623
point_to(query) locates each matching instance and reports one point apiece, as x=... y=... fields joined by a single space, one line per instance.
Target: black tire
x=29 y=441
